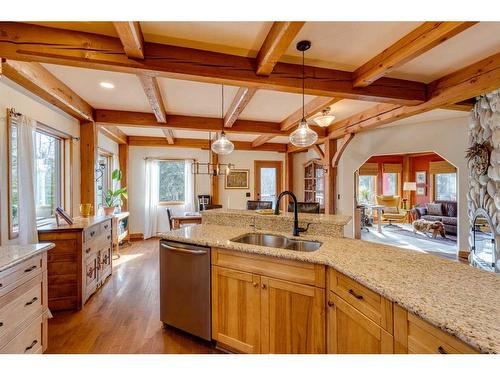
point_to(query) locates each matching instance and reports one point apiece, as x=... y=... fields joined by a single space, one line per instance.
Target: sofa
x=444 y=211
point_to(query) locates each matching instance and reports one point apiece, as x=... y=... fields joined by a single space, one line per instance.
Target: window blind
x=436 y=167
x=368 y=169
x=392 y=168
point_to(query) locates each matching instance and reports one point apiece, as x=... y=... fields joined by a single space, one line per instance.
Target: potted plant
x=113 y=198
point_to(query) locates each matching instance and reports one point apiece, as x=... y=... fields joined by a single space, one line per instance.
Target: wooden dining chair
x=170 y=223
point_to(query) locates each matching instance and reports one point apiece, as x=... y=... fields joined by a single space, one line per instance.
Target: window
x=367 y=189
x=446 y=186
x=172 y=181
x=102 y=177
x=390 y=184
x=13 y=179
x=48 y=182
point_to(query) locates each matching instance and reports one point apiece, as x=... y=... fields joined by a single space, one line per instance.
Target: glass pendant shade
x=222 y=146
x=303 y=136
x=324 y=120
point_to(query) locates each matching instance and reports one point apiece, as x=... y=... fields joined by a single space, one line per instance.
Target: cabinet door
x=104 y=262
x=351 y=332
x=236 y=309
x=90 y=276
x=293 y=317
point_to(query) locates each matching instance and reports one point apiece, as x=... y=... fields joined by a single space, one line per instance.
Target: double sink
x=277 y=241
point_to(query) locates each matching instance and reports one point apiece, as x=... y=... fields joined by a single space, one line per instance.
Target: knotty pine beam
x=28 y=42
x=276 y=43
x=214 y=180
x=169 y=136
x=123 y=163
x=88 y=158
x=113 y=133
x=473 y=80
x=318 y=151
x=153 y=94
x=143 y=119
x=330 y=177
x=201 y=144
x=261 y=139
x=240 y=101
x=422 y=39
x=131 y=37
x=38 y=80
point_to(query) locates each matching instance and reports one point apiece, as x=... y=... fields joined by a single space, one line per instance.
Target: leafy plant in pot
x=113 y=198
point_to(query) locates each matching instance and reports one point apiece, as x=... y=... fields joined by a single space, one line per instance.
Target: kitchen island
x=395 y=300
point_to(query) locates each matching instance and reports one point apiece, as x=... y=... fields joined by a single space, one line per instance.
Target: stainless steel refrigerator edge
x=185 y=294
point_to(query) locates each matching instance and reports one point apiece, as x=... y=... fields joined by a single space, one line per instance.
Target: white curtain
x=151 y=199
x=189 y=205
x=26 y=156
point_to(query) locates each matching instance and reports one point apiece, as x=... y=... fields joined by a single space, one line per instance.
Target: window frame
x=12 y=233
x=61 y=170
x=169 y=203
x=375 y=187
x=109 y=181
x=435 y=189
x=398 y=184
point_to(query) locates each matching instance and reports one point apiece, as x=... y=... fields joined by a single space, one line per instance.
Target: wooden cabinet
x=351 y=332
x=80 y=262
x=293 y=317
x=236 y=309
x=416 y=336
x=359 y=320
x=258 y=307
x=314 y=182
x=23 y=307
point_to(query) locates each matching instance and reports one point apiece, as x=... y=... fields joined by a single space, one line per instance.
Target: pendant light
x=303 y=136
x=325 y=119
x=222 y=146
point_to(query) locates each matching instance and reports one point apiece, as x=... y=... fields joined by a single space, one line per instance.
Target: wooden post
x=88 y=157
x=288 y=174
x=406 y=178
x=214 y=180
x=330 y=176
x=123 y=163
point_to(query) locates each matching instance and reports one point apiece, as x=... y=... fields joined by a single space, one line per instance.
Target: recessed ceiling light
x=107 y=85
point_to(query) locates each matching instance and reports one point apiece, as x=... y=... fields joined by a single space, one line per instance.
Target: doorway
x=268 y=179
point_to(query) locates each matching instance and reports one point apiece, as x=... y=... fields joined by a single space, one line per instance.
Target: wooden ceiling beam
x=143 y=119
x=422 y=39
x=276 y=43
x=28 y=42
x=293 y=149
x=471 y=81
x=38 y=80
x=261 y=139
x=310 y=109
x=465 y=105
x=169 y=136
x=240 y=101
x=130 y=34
x=202 y=144
x=114 y=133
x=318 y=151
x=152 y=91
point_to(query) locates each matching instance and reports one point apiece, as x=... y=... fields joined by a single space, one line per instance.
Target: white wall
x=448 y=138
x=14 y=96
x=236 y=198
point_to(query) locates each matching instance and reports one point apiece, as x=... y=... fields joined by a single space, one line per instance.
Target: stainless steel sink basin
x=280 y=242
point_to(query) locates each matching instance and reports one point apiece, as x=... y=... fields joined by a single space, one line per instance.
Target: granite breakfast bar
x=461 y=301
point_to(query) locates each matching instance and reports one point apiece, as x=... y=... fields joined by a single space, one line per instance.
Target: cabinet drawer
x=22 y=303
x=17 y=275
x=91 y=233
x=104 y=238
x=105 y=226
x=300 y=272
x=29 y=341
x=89 y=248
x=371 y=304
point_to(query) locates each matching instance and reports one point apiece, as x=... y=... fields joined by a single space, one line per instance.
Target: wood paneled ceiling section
x=400 y=98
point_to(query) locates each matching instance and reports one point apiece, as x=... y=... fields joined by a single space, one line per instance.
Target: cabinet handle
x=263 y=286
x=90 y=272
x=255 y=285
x=92 y=234
x=441 y=350
x=108 y=237
x=30 y=269
x=357 y=296
x=31 y=346
x=331 y=304
x=106 y=226
x=88 y=250
x=1 y=285
x=31 y=302
x=1 y=324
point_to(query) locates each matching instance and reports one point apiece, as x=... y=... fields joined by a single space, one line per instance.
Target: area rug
x=449 y=240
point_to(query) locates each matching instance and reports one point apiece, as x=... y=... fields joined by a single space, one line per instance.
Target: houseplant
x=113 y=198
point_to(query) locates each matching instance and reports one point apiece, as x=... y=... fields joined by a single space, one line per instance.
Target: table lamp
x=408 y=186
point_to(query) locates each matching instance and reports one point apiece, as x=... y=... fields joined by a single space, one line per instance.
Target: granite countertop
x=310 y=218
x=78 y=223
x=12 y=255
x=459 y=299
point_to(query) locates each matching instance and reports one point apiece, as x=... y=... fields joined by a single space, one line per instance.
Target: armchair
x=391 y=212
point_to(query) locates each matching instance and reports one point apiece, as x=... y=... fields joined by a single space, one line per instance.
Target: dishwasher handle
x=184 y=251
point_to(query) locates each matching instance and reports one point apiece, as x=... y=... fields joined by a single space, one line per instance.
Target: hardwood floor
x=124 y=315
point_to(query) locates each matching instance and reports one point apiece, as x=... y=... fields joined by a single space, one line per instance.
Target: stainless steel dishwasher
x=185 y=300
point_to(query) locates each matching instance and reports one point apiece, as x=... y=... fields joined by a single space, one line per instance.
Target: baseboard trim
x=136 y=236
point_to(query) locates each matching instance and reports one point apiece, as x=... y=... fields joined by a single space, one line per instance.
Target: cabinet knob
x=331 y=304
x=255 y=285
x=88 y=250
x=1 y=324
x=264 y=286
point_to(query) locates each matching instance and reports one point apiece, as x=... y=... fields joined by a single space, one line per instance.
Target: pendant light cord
x=222 y=110
x=303 y=80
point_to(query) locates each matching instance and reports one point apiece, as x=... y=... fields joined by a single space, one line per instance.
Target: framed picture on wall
x=421 y=177
x=421 y=190
x=238 y=179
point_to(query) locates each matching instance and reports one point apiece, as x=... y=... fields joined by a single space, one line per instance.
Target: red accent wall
x=421 y=163
x=389 y=159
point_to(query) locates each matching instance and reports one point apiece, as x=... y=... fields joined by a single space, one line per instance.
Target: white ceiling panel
x=348 y=107
x=435 y=115
x=195 y=98
x=127 y=95
x=272 y=106
x=141 y=132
